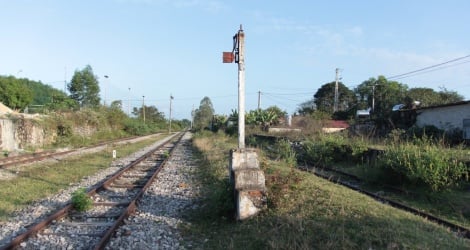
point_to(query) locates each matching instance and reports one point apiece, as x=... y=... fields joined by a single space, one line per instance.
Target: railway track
x=356 y=183
x=34 y=157
x=113 y=200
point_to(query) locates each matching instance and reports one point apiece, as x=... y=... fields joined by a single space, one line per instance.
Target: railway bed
x=109 y=200
x=355 y=184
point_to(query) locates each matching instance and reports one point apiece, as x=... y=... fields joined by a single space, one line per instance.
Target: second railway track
x=114 y=200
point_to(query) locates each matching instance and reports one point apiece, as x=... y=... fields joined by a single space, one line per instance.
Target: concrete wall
x=7 y=135
x=444 y=117
x=21 y=131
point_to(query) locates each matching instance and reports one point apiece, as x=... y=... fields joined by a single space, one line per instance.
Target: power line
x=427 y=68
x=432 y=70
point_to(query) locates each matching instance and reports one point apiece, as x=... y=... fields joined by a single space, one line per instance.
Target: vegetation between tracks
x=38 y=181
x=304 y=212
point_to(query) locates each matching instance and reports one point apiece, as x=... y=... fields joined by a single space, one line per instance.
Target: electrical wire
x=400 y=76
x=431 y=70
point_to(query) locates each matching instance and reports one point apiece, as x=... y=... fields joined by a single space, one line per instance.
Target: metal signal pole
x=171 y=99
x=335 y=108
x=241 y=88
x=238 y=55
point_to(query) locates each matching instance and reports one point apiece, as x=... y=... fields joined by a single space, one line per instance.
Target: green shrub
x=81 y=201
x=285 y=151
x=331 y=148
x=424 y=162
x=136 y=127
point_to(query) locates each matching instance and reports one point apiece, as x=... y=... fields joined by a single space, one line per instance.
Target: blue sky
x=159 y=48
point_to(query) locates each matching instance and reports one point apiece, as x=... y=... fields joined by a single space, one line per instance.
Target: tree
x=152 y=114
x=325 y=96
x=448 y=96
x=428 y=97
x=307 y=107
x=203 y=115
x=380 y=95
x=84 y=87
x=14 y=93
x=114 y=115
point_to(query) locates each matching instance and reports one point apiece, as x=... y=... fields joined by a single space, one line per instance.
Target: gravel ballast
x=155 y=224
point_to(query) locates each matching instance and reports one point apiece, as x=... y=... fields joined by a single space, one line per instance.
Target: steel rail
x=30 y=158
x=462 y=231
x=34 y=229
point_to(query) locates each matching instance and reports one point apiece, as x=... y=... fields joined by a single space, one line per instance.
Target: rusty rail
x=131 y=206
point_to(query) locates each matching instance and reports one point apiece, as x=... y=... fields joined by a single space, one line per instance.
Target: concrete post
x=241 y=88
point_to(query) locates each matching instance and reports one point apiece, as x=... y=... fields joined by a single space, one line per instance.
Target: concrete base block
x=249 y=183
x=250 y=203
x=243 y=158
x=249 y=179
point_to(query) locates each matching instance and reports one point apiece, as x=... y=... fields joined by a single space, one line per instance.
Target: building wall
x=445 y=117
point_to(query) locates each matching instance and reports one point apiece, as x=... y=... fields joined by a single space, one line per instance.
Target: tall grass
x=424 y=161
x=331 y=148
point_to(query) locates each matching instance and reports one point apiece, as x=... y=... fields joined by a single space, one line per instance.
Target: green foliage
x=262 y=118
x=136 y=127
x=152 y=114
x=219 y=122
x=61 y=103
x=114 y=115
x=384 y=94
x=325 y=96
x=81 y=201
x=449 y=137
x=429 y=97
x=325 y=150
x=14 y=92
x=424 y=161
x=203 y=115
x=330 y=148
x=307 y=107
x=285 y=151
x=84 y=87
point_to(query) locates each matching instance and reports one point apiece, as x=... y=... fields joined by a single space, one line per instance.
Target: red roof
x=338 y=124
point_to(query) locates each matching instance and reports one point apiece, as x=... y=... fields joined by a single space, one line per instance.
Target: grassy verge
x=41 y=180
x=452 y=205
x=304 y=212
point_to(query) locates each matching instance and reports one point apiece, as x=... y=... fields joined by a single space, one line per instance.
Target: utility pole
x=65 y=79
x=192 y=117
x=129 y=103
x=171 y=99
x=104 y=100
x=373 y=97
x=259 y=100
x=143 y=107
x=335 y=108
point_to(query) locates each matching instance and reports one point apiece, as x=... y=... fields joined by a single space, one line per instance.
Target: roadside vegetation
x=304 y=211
x=79 y=119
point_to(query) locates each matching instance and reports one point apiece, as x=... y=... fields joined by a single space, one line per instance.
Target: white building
x=446 y=117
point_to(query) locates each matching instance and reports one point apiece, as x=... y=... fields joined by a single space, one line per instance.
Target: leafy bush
x=136 y=127
x=81 y=201
x=332 y=148
x=424 y=162
x=285 y=151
